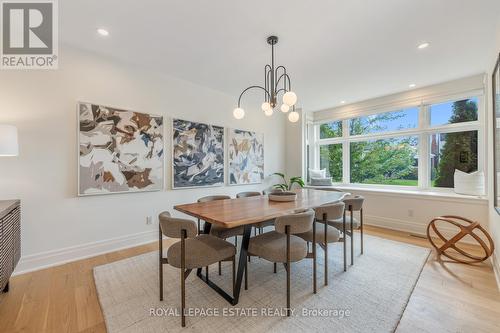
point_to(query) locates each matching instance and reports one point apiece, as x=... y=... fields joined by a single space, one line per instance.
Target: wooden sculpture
x=467 y=227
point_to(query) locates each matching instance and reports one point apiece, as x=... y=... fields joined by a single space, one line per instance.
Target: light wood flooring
x=448 y=297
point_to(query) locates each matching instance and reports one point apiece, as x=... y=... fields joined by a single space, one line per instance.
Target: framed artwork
x=246 y=157
x=120 y=151
x=496 y=134
x=198 y=154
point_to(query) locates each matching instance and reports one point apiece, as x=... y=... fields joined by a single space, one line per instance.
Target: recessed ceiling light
x=342 y=102
x=423 y=45
x=102 y=32
x=412 y=85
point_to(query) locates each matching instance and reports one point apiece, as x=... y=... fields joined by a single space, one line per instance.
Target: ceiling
x=334 y=50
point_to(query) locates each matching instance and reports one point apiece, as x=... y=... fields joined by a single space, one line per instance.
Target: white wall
x=294 y=154
x=494 y=216
x=56 y=224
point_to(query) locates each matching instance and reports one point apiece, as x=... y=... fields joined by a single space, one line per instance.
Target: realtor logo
x=29 y=34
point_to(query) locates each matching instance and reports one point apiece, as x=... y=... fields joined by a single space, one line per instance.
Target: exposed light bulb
x=269 y=112
x=412 y=85
x=238 y=113
x=342 y=102
x=265 y=106
x=284 y=108
x=293 y=116
x=289 y=98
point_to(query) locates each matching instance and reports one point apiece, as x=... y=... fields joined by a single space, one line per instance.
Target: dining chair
x=261 y=225
x=218 y=231
x=325 y=233
x=191 y=252
x=353 y=203
x=283 y=246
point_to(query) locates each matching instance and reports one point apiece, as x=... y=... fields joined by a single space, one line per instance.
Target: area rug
x=370 y=297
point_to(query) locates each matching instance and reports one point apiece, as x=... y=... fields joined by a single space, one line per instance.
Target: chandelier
x=273 y=77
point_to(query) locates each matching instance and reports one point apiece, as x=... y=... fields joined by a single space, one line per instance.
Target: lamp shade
x=8 y=141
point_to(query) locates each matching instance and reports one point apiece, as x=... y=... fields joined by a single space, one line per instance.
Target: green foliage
x=460 y=149
x=331 y=159
x=384 y=161
x=330 y=130
x=287 y=186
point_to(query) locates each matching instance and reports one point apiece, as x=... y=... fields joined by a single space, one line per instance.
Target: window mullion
x=346 y=158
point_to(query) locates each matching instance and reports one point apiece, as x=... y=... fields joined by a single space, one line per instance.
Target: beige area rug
x=370 y=297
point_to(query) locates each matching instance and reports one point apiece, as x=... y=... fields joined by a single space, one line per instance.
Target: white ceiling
x=333 y=49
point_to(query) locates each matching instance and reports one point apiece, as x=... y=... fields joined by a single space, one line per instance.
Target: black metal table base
x=233 y=300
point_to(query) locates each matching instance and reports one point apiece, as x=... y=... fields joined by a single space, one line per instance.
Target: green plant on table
x=287 y=185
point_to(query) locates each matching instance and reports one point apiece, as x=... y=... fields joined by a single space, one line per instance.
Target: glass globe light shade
x=265 y=106
x=238 y=113
x=284 y=108
x=269 y=112
x=293 y=116
x=289 y=98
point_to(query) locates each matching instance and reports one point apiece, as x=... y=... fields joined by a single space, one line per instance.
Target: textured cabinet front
x=10 y=240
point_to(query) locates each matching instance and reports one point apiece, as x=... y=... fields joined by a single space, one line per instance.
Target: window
x=450 y=151
x=454 y=112
x=330 y=130
x=392 y=161
x=384 y=122
x=419 y=146
x=330 y=158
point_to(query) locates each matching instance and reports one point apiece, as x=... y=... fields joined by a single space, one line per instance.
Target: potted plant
x=287 y=186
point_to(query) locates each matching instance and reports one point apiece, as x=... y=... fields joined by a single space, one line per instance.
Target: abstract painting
x=198 y=154
x=120 y=151
x=246 y=157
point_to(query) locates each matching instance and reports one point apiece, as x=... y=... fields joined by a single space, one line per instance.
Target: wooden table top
x=235 y=212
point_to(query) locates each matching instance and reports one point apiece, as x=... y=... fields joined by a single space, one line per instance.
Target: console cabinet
x=10 y=240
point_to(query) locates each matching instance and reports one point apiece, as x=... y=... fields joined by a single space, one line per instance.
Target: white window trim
x=423 y=131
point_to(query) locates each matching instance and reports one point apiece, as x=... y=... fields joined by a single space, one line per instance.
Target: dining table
x=246 y=212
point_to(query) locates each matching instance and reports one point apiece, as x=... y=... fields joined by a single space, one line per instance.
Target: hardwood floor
x=448 y=297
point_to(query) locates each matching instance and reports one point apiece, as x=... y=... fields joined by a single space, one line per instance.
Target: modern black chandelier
x=272 y=88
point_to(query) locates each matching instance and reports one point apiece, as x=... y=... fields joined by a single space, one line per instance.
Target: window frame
x=423 y=131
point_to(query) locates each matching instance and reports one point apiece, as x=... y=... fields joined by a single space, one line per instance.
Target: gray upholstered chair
x=219 y=231
x=191 y=252
x=261 y=225
x=282 y=245
x=353 y=203
x=324 y=233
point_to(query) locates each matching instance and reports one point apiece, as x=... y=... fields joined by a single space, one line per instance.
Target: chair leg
x=220 y=268
x=361 y=227
x=326 y=251
x=345 y=244
x=314 y=256
x=183 y=278
x=199 y=227
x=206 y=272
x=275 y=268
x=288 y=269
x=160 y=245
x=236 y=241
x=352 y=239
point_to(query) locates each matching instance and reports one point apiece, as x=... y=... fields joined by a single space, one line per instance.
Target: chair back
x=172 y=227
x=248 y=194
x=213 y=198
x=299 y=222
x=354 y=202
x=330 y=211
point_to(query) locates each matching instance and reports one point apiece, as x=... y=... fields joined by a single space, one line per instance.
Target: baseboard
x=496 y=268
x=412 y=227
x=58 y=257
